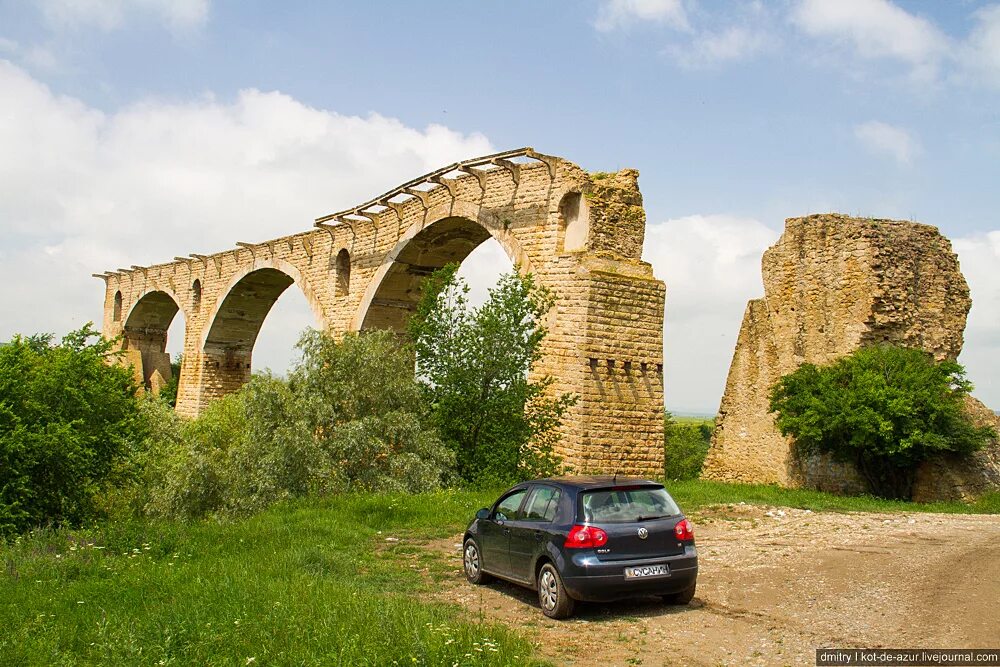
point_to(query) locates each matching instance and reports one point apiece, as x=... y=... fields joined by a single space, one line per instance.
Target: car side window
x=542 y=505
x=507 y=509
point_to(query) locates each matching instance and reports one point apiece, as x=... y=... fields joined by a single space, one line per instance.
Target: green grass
x=695 y=494
x=306 y=583
x=301 y=584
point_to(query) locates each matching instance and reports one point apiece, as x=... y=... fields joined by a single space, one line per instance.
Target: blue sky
x=737 y=115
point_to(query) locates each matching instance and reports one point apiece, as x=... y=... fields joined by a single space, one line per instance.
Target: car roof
x=595 y=481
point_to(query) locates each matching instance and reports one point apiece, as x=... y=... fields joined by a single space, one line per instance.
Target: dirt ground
x=774 y=585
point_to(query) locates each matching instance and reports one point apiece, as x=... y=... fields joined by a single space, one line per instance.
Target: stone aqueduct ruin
x=832 y=283
x=580 y=234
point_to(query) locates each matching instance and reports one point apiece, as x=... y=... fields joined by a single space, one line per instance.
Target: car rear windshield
x=626 y=504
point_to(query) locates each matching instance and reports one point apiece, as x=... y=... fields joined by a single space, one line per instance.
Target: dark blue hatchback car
x=584 y=538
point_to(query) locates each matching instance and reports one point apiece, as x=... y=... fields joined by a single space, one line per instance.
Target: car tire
x=472 y=563
x=681 y=597
x=552 y=596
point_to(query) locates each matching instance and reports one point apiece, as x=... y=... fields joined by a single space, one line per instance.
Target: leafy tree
x=883 y=408
x=350 y=417
x=67 y=419
x=685 y=447
x=474 y=364
x=368 y=412
x=247 y=451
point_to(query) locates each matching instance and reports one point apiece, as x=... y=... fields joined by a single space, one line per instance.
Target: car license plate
x=646 y=571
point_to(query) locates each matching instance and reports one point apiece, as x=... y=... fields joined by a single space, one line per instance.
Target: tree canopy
x=474 y=366
x=67 y=420
x=884 y=408
x=350 y=417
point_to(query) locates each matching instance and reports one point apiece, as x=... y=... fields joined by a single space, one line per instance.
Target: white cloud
x=888 y=140
x=37 y=57
x=876 y=29
x=979 y=256
x=980 y=53
x=710 y=49
x=711 y=265
x=82 y=191
x=615 y=14
x=108 y=15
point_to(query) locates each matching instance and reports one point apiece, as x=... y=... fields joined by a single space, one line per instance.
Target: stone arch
x=258 y=287
x=144 y=336
x=393 y=292
x=230 y=330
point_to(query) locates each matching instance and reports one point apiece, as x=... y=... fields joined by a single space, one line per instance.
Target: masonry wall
x=609 y=307
x=832 y=283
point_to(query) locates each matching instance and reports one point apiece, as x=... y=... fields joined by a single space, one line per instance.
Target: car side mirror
x=483 y=513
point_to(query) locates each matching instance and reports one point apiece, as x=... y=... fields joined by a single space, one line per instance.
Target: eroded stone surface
x=833 y=283
x=581 y=236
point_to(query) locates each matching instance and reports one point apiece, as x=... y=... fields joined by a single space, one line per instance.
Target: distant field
x=693 y=419
x=307 y=583
x=695 y=494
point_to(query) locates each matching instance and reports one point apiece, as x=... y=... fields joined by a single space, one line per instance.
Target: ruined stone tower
x=832 y=284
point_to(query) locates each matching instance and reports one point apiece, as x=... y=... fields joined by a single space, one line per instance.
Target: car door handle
x=506 y=531
x=538 y=537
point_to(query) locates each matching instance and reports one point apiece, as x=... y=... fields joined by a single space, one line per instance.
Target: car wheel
x=552 y=595
x=681 y=597
x=473 y=563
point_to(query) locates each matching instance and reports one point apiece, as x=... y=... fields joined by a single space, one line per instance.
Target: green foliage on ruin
x=473 y=364
x=685 y=445
x=68 y=421
x=884 y=408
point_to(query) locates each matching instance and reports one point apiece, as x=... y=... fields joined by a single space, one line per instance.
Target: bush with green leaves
x=473 y=364
x=169 y=391
x=68 y=419
x=685 y=446
x=349 y=418
x=883 y=408
x=368 y=412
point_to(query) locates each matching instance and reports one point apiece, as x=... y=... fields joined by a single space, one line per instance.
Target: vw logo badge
x=643 y=533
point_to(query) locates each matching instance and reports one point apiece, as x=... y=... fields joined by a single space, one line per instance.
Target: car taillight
x=585 y=537
x=684 y=530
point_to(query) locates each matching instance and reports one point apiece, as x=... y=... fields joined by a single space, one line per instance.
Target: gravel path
x=775 y=584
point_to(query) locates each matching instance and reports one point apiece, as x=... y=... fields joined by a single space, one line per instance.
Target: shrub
x=684 y=447
x=883 y=408
x=67 y=420
x=350 y=417
x=368 y=412
x=169 y=391
x=247 y=451
x=474 y=363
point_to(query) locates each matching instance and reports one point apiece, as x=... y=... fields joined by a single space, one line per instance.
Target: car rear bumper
x=592 y=580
